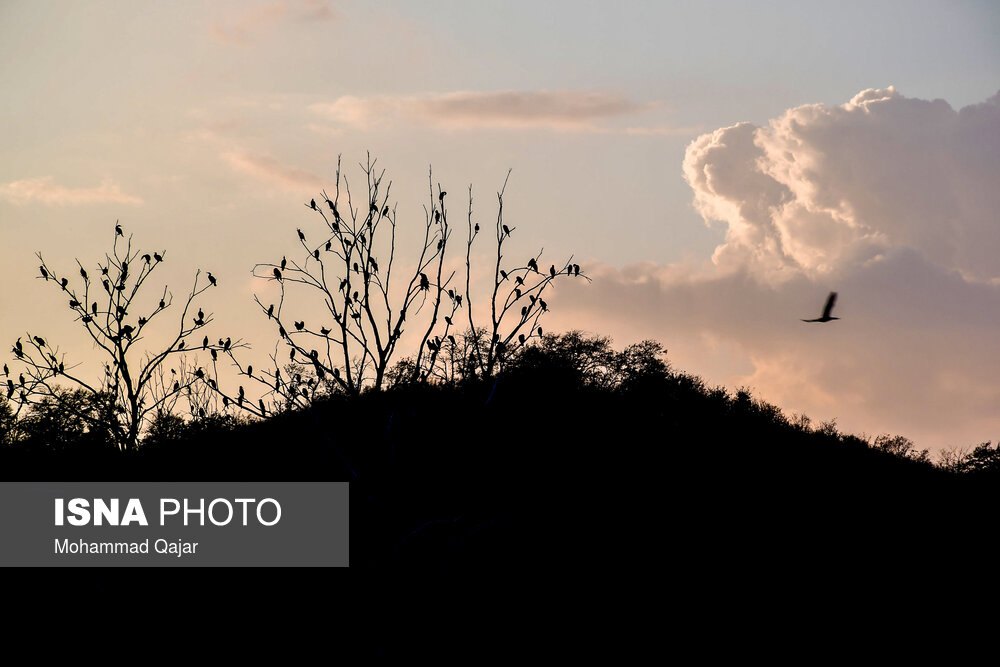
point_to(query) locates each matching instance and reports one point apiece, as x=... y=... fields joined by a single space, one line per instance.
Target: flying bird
x=827 y=309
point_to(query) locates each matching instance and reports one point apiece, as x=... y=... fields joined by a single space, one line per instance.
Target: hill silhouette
x=579 y=470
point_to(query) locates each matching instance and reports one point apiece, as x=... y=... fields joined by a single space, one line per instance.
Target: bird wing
x=830 y=301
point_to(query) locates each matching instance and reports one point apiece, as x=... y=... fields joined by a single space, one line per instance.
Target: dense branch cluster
x=130 y=392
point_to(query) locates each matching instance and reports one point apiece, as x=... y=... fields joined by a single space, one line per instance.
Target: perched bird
x=201 y=316
x=300 y=325
x=329 y=244
x=74 y=303
x=552 y=270
x=425 y=283
x=204 y=343
x=284 y=263
x=448 y=320
x=520 y=339
x=93 y=307
x=158 y=257
x=118 y=230
x=147 y=258
x=250 y=371
x=533 y=265
x=543 y=304
x=827 y=309
x=506 y=230
x=40 y=341
x=270 y=311
x=64 y=282
x=302 y=237
x=212 y=279
x=576 y=269
x=539 y=332
x=316 y=253
x=180 y=346
x=163 y=304
x=441 y=195
x=45 y=274
x=324 y=331
x=142 y=321
x=83 y=273
x=312 y=204
x=476 y=230
x=277 y=274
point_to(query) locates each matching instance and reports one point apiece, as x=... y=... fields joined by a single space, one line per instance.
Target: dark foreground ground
x=538 y=506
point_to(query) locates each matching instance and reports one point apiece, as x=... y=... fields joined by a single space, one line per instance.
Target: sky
x=716 y=167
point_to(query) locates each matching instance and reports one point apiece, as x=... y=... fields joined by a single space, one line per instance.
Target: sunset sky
x=716 y=167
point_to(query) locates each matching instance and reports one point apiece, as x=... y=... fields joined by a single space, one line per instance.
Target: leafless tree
x=104 y=301
x=354 y=267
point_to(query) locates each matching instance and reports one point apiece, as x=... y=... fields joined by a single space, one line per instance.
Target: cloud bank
x=892 y=202
x=822 y=189
x=44 y=191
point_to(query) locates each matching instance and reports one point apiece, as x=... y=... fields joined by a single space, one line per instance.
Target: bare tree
x=516 y=302
x=353 y=266
x=104 y=300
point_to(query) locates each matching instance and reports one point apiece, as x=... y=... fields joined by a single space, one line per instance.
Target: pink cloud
x=44 y=191
x=242 y=26
x=270 y=170
x=562 y=110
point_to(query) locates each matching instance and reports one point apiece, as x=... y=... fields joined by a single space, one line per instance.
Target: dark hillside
x=544 y=502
